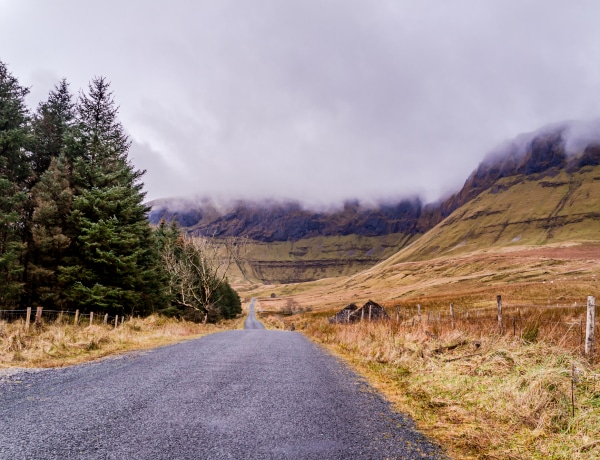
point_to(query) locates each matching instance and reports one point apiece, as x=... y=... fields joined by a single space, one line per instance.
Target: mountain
x=538 y=188
x=287 y=243
x=275 y=222
x=532 y=190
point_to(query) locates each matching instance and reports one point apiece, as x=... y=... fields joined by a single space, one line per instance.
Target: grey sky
x=317 y=100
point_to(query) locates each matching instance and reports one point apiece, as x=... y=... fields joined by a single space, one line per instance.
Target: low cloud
x=317 y=101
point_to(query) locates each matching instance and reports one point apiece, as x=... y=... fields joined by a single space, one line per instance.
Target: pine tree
x=113 y=263
x=52 y=127
x=14 y=172
x=53 y=199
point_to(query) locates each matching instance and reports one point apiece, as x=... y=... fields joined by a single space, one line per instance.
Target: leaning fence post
x=38 y=316
x=76 y=318
x=91 y=317
x=499 y=301
x=28 y=319
x=589 y=327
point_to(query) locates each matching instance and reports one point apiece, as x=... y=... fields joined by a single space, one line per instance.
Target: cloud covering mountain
x=318 y=101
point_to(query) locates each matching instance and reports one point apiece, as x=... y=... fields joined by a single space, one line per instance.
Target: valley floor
x=483 y=392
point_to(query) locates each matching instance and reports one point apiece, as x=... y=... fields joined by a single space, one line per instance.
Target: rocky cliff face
x=272 y=222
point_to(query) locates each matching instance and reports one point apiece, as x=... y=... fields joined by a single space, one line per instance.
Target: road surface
x=251 y=321
x=251 y=394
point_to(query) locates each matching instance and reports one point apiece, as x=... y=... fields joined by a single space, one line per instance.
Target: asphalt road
x=251 y=321
x=252 y=394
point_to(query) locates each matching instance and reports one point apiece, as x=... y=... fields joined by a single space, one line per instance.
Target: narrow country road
x=251 y=321
x=252 y=394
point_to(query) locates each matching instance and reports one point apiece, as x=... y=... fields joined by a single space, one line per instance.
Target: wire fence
x=44 y=316
x=565 y=325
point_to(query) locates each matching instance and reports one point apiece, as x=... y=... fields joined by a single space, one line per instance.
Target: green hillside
x=518 y=210
x=315 y=258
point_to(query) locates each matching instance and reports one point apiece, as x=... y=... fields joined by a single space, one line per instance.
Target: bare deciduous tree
x=198 y=267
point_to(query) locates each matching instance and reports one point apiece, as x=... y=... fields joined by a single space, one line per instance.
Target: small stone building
x=343 y=315
x=371 y=311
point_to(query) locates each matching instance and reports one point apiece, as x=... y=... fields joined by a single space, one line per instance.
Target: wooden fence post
x=122 y=319
x=397 y=314
x=76 y=322
x=116 y=321
x=589 y=327
x=106 y=318
x=91 y=318
x=38 y=316
x=362 y=315
x=28 y=319
x=500 y=326
x=370 y=308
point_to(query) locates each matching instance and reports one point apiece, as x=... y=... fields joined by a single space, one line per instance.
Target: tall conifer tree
x=52 y=125
x=14 y=173
x=113 y=263
x=48 y=208
x=53 y=201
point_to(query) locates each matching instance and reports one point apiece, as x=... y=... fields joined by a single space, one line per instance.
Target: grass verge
x=486 y=398
x=58 y=344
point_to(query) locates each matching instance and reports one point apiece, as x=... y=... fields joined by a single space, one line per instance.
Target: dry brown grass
x=508 y=398
x=491 y=397
x=56 y=344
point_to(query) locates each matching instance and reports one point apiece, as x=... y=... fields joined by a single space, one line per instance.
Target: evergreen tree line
x=73 y=224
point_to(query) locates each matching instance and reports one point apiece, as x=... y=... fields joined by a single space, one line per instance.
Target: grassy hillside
x=556 y=208
x=315 y=258
x=516 y=211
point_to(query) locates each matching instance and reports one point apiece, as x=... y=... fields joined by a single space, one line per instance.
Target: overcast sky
x=316 y=100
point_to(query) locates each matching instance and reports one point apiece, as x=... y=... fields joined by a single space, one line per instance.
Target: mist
x=317 y=102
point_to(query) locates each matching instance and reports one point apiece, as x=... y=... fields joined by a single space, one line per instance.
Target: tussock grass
x=490 y=397
x=56 y=344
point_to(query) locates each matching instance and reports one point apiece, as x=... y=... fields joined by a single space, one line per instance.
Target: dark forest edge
x=74 y=232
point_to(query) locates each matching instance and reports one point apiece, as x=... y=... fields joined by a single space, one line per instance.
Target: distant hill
x=531 y=190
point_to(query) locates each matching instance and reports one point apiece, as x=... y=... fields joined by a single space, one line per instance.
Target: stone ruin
x=371 y=311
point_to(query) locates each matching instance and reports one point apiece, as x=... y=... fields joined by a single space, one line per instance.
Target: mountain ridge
x=541 y=158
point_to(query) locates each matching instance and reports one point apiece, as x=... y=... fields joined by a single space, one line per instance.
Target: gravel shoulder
x=252 y=394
